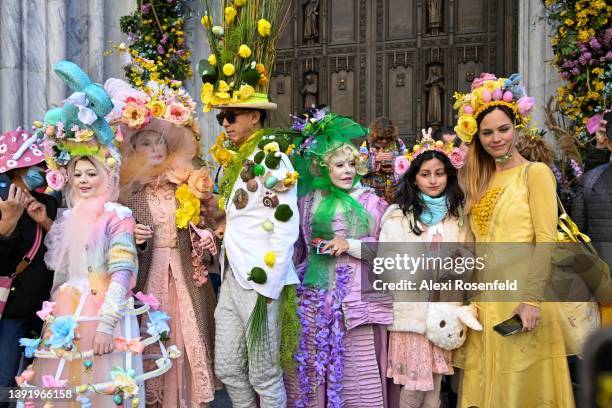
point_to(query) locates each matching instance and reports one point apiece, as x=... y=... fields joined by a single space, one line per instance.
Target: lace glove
x=114 y=302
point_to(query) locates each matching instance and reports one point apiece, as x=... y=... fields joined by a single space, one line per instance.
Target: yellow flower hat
x=242 y=40
x=488 y=90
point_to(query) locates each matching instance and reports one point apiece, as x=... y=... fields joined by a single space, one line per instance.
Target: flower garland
x=582 y=44
x=328 y=339
x=157 y=45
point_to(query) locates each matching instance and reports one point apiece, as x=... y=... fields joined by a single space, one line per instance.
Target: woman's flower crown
x=162 y=100
x=488 y=90
x=454 y=154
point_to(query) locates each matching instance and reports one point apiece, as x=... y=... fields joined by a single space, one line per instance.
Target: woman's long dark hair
x=408 y=197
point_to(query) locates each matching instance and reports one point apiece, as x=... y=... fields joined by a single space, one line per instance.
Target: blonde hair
x=345 y=150
x=480 y=165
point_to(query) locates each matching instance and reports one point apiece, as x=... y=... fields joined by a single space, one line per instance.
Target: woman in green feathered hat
x=338 y=359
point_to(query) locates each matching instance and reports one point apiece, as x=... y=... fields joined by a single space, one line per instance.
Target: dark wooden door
x=402 y=59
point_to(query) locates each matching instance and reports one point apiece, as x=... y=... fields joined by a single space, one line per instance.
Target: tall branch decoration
x=582 y=44
x=157 y=48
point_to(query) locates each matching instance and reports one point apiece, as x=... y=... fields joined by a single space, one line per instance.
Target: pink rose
x=177 y=113
x=402 y=164
x=525 y=105
x=508 y=96
x=484 y=77
x=56 y=179
x=457 y=157
x=497 y=94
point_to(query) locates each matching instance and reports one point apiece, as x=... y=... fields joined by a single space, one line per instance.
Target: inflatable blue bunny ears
x=85 y=108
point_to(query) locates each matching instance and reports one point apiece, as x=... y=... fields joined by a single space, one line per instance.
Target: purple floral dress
x=342 y=359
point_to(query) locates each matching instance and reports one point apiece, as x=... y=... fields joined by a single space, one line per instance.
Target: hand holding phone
x=509 y=327
x=318 y=244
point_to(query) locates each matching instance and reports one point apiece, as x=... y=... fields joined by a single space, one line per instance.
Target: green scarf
x=337 y=199
x=232 y=171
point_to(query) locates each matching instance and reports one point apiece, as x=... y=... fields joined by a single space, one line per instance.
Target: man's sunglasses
x=229 y=115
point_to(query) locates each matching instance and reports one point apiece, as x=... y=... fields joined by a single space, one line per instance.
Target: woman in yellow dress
x=510 y=200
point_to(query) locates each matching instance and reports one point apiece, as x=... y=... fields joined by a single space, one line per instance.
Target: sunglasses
x=229 y=115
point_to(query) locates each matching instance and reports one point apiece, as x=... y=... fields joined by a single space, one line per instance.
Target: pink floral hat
x=19 y=149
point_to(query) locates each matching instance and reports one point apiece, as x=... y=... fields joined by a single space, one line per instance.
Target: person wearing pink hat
x=25 y=217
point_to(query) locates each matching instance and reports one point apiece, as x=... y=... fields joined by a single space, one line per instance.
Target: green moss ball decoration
x=273 y=160
x=258 y=275
x=283 y=213
x=259 y=156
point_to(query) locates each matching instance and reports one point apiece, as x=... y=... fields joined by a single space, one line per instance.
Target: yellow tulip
x=212 y=59
x=230 y=14
x=206 y=21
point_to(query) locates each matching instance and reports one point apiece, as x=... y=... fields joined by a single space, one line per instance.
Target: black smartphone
x=509 y=327
x=5 y=184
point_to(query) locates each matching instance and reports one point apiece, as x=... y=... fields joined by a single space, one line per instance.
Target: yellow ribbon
x=571 y=230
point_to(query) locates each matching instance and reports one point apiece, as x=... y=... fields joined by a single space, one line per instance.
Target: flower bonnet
x=487 y=90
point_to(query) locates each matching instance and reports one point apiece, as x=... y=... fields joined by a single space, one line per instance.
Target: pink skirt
x=413 y=360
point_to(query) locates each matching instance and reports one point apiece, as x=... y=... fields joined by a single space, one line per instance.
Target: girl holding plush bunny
x=428 y=212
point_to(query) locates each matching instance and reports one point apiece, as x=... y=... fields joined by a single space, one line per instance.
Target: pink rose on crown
x=56 y=179
x=484 y=77
x=177 y=113
x=401 y=165
x=525 y=105
x=457 y=157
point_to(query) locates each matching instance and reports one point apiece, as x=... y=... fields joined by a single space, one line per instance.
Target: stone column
x=96 y=34
x=35 y=69
x=11 y=66
x=55 y=51
x=535 y=54
x=196 y=41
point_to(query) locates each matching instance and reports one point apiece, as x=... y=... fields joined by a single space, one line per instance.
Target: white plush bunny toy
x=447 y=324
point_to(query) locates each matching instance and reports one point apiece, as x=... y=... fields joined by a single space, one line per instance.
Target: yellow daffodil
x=264 y=28
x=206 y=21
x=244 y=51
x=230 y=14
x=229 y=69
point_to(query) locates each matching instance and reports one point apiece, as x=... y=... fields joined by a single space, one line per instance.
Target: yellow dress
x=527 y=369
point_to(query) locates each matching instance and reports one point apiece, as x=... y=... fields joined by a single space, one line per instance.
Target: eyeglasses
x=230 y=115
